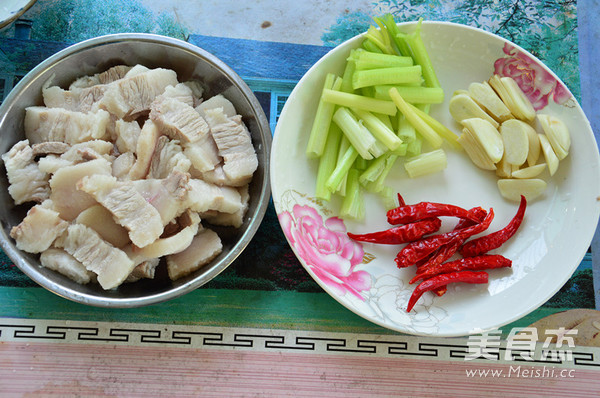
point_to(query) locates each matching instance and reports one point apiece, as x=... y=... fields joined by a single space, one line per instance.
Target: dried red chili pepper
x=478 y=263
x=400 y=234
x=496 y=239
x=415 y=251
x=404 y=214
x=478 y=213
x=440 y=291
x=443 y=280
x=441 y=255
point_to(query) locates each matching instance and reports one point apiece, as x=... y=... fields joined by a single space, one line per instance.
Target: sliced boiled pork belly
x=56 y=124
x=181 y=122
x=167 y=157
x=47 y=148
x=234 y=219
x=60 y=261
x=82 y=100
x=146 y=144
x=204 y=196
x=101 y=220
x=112 y=265
x=131 y=96
x=127 y=134
x=27 y=182
x=168 y=195
x=235 y=146
x=129 y=208
x=108 y=76
x=205 y=246
x=39 y=229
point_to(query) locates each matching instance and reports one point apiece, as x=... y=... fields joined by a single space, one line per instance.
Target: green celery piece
x=320 y=126
x=386 y=120
x=341 y=169
x=421 y=57
x=361 y=164
x=373 y=171
x=379 y=183
x=378 y=129
x=393 y=76
x=344 y=145
x=347 y=76
x=393 y=30
x=414 y=147
x=353 y=205
x=369 y=60
x=401 y=150
x=358 y=135
x=442 y=130
x=429 y=134
x=412 y=94
x=327 y=162
x=368 y=45
x=350 y=100
x=426 y=163
x=388 y=198
x=380 y=40
x=406 y=131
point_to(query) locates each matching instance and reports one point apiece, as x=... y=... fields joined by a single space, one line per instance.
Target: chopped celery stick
x=358 y=135
x=380 y=40
x=414 y=147
x=386 y=120
x=413 y=118
x=420 y=55
x=341 y=169
x=412 y=94
x=389 y=198
x=344 y=145
x=347 y=76
x=320 y=127
x=439 y=128
x=373 y=171
x=379 y=149
x=392 y=28
x=371 y=47
x=379 y=184
x=426 y=163
x=406 y=132
x=327 y=161
x=360 y=163
x=353 y=205
x=359 y=101
x=366 y=91
x=379 y=130
x=393 y=76
x=369 y=60
x=401 y=150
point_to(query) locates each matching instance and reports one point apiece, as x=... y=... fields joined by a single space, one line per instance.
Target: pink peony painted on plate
x=326 y=249
x=535 y=81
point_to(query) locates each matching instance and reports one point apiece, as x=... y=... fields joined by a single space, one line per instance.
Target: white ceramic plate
x=550 y=244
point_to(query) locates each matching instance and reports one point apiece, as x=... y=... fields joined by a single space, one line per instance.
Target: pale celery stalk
x=353 y=204
x=378 y=128
x=412 y=94
x=379 y=149
x=393 y=76
x=415 y=146
x=358 y=135
x=359 y=102
x=413 y=118
x=370 y=60
x=406 y=132
x=327 y=162
x=401 y=150
x=341 y=169
x=368 y=45
x=380 y=40
x=393 y=31
x=347 y=76
x=386 y=120
x=426 y=163
x=320 y=127
x=361 y=164
x=373 y=171
x=421 y=57
x=439 y=128
x=344 y=145
x=379 y=184
x=388 y=198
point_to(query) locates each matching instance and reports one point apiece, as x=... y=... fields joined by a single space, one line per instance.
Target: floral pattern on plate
x=535 y=81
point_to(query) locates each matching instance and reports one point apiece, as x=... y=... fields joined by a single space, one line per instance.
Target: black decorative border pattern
x=24 y=330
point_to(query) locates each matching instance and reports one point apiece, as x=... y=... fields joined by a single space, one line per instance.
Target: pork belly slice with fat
x=122 y=165
x=181 y=92
x=47 y=148
x=67 y=199
x=27 y=183
x=62 y=262
x=205 y=246
x=112 y=265
x=132 y=95
x=81 y=100
x=235 y=219
x=108 y=76
x=56 y=124
x=167 y=157
x=144 y=270
x=78 y=153
x=204 y=196
x=101 y=220
x=127 y=134
x=130 y=209
x=235 y=146
x=189 y=224
x=146 y=143
x=39 y=229
x=217 y=101
x=168 y=195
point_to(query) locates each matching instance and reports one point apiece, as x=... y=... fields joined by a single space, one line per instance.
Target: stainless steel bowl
x=96 y=55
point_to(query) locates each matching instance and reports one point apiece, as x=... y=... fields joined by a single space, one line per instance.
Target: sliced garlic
x=534 y=145
x=462 y=106
x=516 y=141
x=512 y=189
x=485 y=96
x=558 y=134
x=529 y=172
x=513 y=97
x=551 y=158
x=503 y=168
x=475 y=151
x=487 y=136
